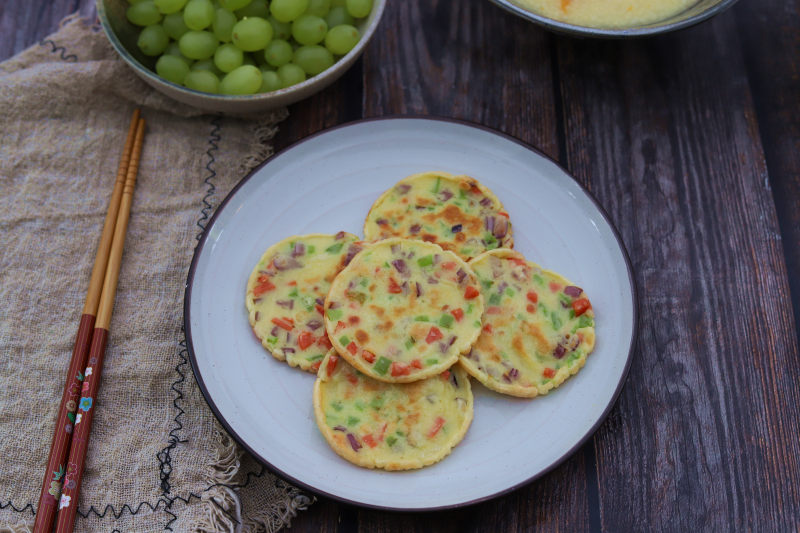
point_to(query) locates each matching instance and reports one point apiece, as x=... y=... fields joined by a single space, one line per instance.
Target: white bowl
x=123 y=36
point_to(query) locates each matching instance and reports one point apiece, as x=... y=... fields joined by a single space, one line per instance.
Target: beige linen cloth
x=158 y=459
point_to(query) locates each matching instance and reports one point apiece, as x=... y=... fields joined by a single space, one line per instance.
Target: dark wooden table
x=691 y=141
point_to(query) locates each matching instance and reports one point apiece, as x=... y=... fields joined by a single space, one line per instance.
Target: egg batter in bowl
x=606 y=13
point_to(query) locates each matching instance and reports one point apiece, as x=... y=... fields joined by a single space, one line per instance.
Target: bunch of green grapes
x=245 y=46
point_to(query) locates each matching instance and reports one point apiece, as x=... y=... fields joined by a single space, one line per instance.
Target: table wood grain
x=691 y=142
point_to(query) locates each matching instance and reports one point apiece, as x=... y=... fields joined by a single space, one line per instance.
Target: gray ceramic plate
x=327 y=183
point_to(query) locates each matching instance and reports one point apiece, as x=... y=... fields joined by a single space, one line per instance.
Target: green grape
x=359 y=8
x=338 y=3
x=202 y=80
x=174 y=25
x=283 y=30
x=143 y=13
x=339 y=16
x=309 y=29
x=256 y=8
x=135 y=1
x=153 y=40
x=222 y=25
x=313 y=59
x=252 y=34
x=228 y=57
x=233 y=5
x=172 y=68
x=198 y=14
x=270 y=81
x=243 y=80
x=198 y=44
x=319 y=8
x=288 y=10
x=290 y=74
x=207 y=64
x=169 y=6
x=341 y=39
x=278 y=52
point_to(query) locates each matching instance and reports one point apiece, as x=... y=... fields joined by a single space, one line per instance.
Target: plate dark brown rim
x=198 y=376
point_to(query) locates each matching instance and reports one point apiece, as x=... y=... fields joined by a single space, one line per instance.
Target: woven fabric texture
x=158 y=460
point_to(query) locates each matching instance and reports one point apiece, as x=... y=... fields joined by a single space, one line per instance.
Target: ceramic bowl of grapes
x=239 y=56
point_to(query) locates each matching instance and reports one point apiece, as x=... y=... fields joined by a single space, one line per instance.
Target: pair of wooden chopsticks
x=62 y=478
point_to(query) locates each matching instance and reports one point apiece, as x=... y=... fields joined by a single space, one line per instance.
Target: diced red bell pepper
x=471 y=292
x=554 y=287
x=368 y=356
x=549 y=373
x=305 y=339
x=292 y=283
x=445 y=375
x=493 y=310
x=533 y=297
x=332 y=360
x=531 y=308
x=487 y=328
x=324 y=342
x=339 y=326
x=394 y=288
x=580 y=306
x=400 y=369
x=416 y=363
x=285 y=323
x=433 y=335
x=315 y=366
x=458 y=314
x=352 y=347
x=319 y=309
x=449 y=265
x=369 y=440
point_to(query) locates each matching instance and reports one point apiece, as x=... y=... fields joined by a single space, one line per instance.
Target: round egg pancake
x=456 y=212
x=538 y=327
x=286 y=291
x=391 y=426
x=403 y=310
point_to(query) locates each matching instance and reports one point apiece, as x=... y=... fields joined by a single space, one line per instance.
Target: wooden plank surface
x=770 y=34
x=691 y=142
x=681 y=170
x=26 y=22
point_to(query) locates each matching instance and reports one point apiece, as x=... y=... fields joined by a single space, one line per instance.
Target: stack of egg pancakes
x=395 y=325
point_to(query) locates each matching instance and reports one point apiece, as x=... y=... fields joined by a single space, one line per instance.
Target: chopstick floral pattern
x=86 y=404
x=71 y=406
x=64 y=501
